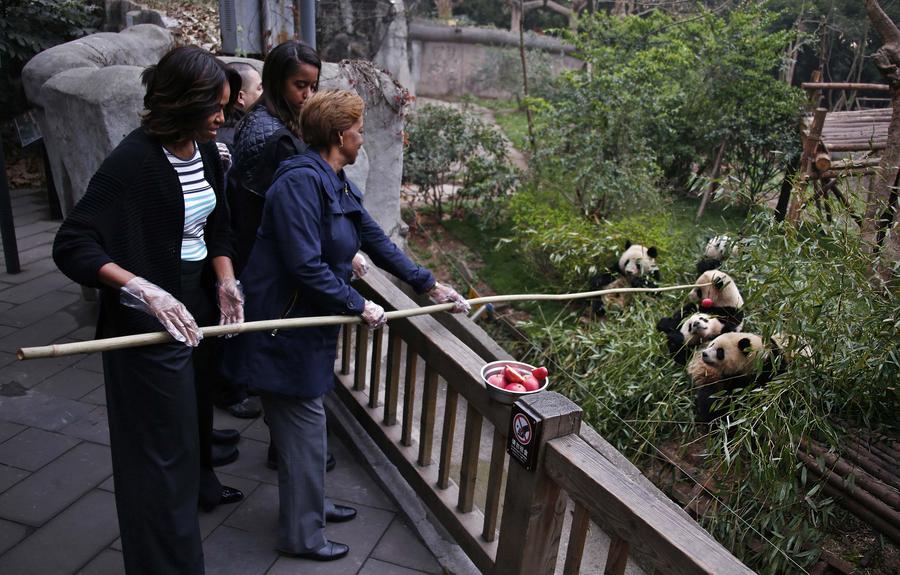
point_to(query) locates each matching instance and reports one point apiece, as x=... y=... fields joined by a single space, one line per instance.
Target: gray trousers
x=297 y=426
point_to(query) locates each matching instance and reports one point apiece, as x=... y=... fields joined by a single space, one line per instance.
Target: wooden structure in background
x=838 y=144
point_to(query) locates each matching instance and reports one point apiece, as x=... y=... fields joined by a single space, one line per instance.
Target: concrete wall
x=88 y=96
x=451 y=62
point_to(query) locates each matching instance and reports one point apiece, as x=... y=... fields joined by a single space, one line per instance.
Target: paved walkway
x=57 y=510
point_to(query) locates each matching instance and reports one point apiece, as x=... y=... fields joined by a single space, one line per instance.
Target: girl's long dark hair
x=283 y=61
x=183 y=91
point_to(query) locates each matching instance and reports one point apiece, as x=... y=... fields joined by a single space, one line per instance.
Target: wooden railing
x=409 y=396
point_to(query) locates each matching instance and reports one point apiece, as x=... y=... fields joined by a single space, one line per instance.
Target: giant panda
x=731 y=361
x=636 y=268
x=717 y=250
x=696 y=329
x=725 y=312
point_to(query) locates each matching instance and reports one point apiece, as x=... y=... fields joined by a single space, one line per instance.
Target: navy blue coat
x=312 y=226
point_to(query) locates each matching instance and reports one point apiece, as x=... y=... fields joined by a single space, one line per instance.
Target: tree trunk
x=879 y=214
x=444 y=9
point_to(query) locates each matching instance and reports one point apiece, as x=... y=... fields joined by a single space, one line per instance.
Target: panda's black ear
x=745 y=346
x=651 y=251
x=627 y=244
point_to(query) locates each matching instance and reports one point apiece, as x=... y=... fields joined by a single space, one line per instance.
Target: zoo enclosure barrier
x=516 y=524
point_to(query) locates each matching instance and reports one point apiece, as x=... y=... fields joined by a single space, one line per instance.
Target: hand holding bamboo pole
x=138 y=340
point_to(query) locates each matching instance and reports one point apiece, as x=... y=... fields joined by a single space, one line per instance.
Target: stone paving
x=57 y=509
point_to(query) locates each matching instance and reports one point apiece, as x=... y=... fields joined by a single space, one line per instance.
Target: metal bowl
x=502 y=395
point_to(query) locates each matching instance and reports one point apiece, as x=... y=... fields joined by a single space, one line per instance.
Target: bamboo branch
x=142 y=339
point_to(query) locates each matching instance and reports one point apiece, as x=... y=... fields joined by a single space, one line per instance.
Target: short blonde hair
x=325 y=114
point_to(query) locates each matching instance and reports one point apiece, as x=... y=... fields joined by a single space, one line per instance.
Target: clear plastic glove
x=360 y=266
x=151 y=299
x=225 y=155
x=373 y=315
x=231 y=302
x=442 y=293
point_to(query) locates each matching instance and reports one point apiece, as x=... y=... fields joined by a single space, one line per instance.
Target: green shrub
x=449 y=147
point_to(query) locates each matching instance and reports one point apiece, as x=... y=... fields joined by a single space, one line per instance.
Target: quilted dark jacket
x=261 y=144
x=250 y=139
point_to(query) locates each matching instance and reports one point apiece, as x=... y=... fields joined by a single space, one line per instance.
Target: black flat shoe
x=224 y=454
x=330 y=462
x=340 y=514
x=225 y=436
x=229 y=495
x=329 y=552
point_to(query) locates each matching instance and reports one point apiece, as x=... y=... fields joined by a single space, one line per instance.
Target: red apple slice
x=512 y=376
x=515 y=387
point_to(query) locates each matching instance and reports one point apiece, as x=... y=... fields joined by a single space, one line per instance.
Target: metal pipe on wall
x=308 y=21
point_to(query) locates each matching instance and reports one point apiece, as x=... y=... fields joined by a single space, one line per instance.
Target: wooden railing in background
x=574 y=462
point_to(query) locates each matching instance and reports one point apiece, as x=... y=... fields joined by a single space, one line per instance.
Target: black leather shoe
x=330 y=462
x=229 y=495
x=224 y=454
x=329 y=552
x=225 y=436
x=247 y=408
x=340 y=514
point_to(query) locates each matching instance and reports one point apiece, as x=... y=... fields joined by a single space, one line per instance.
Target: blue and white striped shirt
x=199 y=202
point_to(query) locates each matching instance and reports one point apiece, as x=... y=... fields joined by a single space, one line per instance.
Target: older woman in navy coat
x=313 y=224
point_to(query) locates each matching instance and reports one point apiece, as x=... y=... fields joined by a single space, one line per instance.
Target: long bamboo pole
x=141 y=339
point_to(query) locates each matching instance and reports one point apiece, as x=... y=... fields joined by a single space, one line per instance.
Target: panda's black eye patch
x=720 y=354
x=699 y=292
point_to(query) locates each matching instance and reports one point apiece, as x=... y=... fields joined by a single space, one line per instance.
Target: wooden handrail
x=673 y=543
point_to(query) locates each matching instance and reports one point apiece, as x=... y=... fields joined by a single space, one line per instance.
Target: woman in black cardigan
x=152 y=233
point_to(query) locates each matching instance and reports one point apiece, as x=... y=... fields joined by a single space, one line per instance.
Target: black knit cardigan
x=132 y=214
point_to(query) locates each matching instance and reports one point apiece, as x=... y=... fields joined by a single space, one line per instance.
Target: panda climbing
x=636 y=268
x=713 y=310
x=731 y=361
x=717 y=250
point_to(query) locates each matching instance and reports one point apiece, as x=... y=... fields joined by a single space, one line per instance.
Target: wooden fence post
x=534 y=506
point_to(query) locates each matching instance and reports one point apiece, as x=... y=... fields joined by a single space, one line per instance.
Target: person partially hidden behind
x=301 y=265
x=152 y=233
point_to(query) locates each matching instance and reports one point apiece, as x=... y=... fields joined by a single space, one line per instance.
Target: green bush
x=449 y=147
x=31 y=26
x=810 y=283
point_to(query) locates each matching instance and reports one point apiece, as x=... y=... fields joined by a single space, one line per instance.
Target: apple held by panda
x=636 y=268
x=731 y=361
x=713 y=310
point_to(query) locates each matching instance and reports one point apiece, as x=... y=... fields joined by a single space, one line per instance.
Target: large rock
x=89 y=96
x=379 y=172
x=85 y=113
